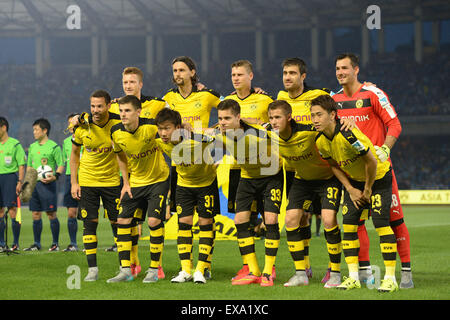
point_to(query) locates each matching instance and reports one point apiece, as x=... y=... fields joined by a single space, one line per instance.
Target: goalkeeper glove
x=383 y=152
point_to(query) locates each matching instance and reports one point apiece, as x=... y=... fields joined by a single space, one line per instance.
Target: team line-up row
x=322 y=155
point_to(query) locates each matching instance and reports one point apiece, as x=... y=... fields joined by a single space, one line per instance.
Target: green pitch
x=44 y=275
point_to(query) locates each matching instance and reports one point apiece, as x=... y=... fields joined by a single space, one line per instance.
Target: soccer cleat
x=113 y=248
x=406 y=281
x=15 y=247
x=334 y=280
x=151 y=276
x=135 y=269
x=92 y=274
x=246 y=279
x=309 y=272
x=349 y=284
x=33 y=247
x=199 y=277
x=182 y=276
x=388 y=285
x=124 y=275
x=366 y=276
x=298 y=279
x=3 y=249
x=71 y=248
x=326 y=277
x=242 y=272
x=274 y=273
x=161 y=274
x=54 y=247
x=266 y=280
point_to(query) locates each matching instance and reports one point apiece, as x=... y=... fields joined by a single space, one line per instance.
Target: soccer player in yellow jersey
x=132 y=83
x=296 y=92
x=368 y=184
x=145 y=178
x=253 y=105
x=96 y=174
x=299 y=95
x=193 y=104
x=253 y=110
x=313 y=178
x=255 y=150
x=196 y=187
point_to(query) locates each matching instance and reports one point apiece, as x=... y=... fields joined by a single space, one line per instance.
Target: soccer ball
x=44 y=172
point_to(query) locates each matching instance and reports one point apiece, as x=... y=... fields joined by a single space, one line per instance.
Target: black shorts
x=205 y=199
x=268 y=190
x=68 y=201
x=233 y=181
x=8 y=196
x=173 y=188
x=44 y=197
x=90 y=202
x=290 y=176
x=305 y=192
x=155 y=195
x=380 y=201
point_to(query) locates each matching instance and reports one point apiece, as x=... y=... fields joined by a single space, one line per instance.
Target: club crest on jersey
x=359 y=103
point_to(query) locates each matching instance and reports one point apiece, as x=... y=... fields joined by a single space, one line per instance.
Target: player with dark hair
x=12 y=173
x=132 y=84
x=253 y=109
x=367 y=185
x=299 y=95
x=196 y=188
x=313 y=179
x=374 y=114
x=44 y=198
x=193 y=104
x=145 y=178
x=256 y=151
x=96 y=175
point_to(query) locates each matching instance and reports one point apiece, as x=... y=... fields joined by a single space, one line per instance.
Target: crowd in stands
x=422 y=162
x=414 y=89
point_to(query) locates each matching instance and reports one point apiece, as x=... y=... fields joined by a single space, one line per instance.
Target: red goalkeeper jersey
x=372 y=111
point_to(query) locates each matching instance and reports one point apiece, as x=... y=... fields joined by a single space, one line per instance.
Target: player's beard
x=178 y=81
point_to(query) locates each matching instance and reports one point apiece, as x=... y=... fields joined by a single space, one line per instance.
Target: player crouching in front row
x=368 y=185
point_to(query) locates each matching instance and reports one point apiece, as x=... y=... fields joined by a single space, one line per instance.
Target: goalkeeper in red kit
x=375 y=116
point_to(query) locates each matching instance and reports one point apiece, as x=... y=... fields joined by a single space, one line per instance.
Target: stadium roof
x=20 y=18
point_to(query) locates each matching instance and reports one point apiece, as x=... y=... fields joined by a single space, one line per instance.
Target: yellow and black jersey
x=98 y=164
x=150 y=107
x=301 y=105
x=300 y=153
x=255 y=150
x=146 y=164
x=254 y=106
x=196 y=107
x=346 y=148
x=193 y=160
